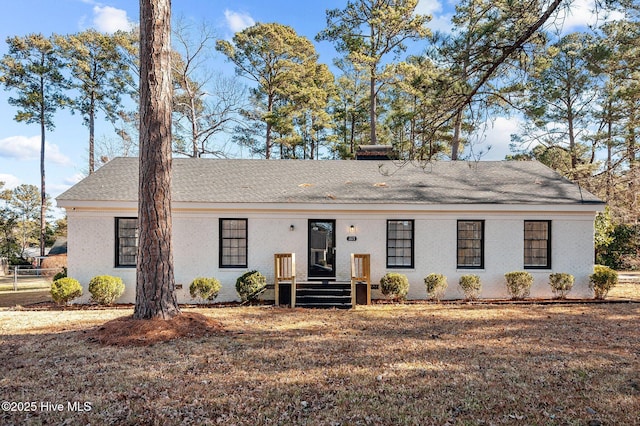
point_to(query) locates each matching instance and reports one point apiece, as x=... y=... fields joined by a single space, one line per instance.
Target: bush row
x=518 y=283
x=248 y=286
x=106 y=289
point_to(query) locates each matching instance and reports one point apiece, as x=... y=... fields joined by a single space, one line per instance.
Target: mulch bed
x=127 y=331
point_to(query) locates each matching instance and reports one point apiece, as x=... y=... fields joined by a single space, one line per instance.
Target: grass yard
x=24 y=297
x=386 y=364
x=25 y=283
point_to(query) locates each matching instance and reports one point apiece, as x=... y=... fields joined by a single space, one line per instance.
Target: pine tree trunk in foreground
x=43 y=192
x=155 y=283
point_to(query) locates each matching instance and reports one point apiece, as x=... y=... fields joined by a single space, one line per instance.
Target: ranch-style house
x=322 y=217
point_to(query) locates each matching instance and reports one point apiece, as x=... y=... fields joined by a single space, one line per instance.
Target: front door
x=322 y=251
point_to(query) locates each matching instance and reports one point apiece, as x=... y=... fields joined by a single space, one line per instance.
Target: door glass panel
x=321 y=248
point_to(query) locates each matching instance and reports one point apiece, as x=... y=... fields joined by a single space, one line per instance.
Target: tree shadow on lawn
x=24 y=297
x=424 y=365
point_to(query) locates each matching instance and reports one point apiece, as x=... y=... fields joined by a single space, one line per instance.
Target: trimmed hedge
x=561 y=284
x=436 y=285
x=105 y=289
x=602 y=280
x=64 y=290
x=470 y=285
x=394 y=285
x=519 y=284
x=205 y=289
x=249 y=284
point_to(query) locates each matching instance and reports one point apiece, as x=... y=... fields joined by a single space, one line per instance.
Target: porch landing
x=321 y=292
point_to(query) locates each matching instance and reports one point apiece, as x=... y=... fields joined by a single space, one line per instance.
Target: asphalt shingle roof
x=340 y=182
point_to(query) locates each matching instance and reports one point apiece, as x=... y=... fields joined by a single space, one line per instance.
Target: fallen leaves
x=385 y=364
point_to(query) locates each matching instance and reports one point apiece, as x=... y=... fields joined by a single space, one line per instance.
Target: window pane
x=127 y=241
x=233 y=243
x=399 y=243
x=537 y=244
x=470 y=244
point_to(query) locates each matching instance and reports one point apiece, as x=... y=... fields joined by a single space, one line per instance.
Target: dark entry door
x=322 y=250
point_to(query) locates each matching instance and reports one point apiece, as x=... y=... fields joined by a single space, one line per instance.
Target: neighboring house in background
x=56 y=258
x=230 y=216
x=59 y=247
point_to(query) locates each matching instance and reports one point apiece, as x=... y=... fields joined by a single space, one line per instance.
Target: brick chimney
x=375 y=152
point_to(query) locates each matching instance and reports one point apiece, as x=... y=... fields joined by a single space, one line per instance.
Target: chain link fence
x=26 y=277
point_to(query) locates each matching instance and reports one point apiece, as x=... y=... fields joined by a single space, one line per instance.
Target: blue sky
x=66 y=149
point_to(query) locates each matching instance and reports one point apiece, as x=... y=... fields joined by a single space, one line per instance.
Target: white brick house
x=454 y=218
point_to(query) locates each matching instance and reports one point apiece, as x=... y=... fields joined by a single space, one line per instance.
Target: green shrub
x=64 y=290
x=617 y=246
x=395 y=285
x=19 y=261
x=205 y=288
x=519 y=284
x=436 y=285
x=561 y=284
x=470 y=285
x=249 y=284
x=61 y=274
x=602 y=280
x=105 y=289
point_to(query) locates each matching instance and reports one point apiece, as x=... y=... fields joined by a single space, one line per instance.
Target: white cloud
x=57 y=188
x=498 y=136
x=238 y=21
x=10 y=181
x=72 y=180
x=439 y=22
x=582 y=13
x=108 y=19
x=24 y=148
x=428 y=7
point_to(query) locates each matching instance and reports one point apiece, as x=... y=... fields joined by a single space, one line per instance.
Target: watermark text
x=46 y=406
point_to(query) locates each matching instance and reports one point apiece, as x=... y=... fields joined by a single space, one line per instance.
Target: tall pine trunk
x=457 y=131
x=373 y=105
x=92 y=129
x=632 y=157
x=43 y=192
x=268 y=142
x=373 y=109
x=155 y=283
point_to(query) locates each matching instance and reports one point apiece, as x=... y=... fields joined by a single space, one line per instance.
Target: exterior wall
x=436 y=243
x=91 y=245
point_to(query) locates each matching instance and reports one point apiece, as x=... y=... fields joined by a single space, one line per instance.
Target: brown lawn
x=25 y=283
x=388 y=364
x=24 y=297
